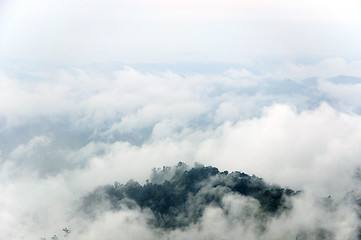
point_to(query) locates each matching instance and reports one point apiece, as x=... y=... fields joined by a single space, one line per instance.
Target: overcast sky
x=44 y=33
x=93 y=92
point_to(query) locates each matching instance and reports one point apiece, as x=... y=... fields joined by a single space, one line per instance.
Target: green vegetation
x=178 y=196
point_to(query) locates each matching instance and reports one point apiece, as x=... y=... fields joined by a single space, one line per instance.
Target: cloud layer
x=65 y=132
x=93 y=92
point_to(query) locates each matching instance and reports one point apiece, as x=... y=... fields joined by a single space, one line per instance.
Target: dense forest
x=178 y=196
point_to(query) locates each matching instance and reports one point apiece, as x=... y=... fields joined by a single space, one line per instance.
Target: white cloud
x=324 y=69
x=28 y=148
x=138 y=99
x=64 y=132
x=349 y=93
x=91 y=97
x=232 y=121
x=312 y=149
x=291 y=148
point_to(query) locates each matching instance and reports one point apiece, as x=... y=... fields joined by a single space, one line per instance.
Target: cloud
x=23 y=150
x=324 y=69
x=349 y=93
x=65 y=132
x=91 y=97
x=278 y=96
x=297 y=149
x=74 y=108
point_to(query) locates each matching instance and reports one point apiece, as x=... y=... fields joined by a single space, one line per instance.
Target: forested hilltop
x=178 y=196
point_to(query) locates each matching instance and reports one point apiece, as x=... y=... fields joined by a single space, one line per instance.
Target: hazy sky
x=93 y=92
x=69 y=33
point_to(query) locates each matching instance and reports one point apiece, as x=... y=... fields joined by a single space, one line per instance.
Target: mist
x=96 y=97
x=56 y=152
